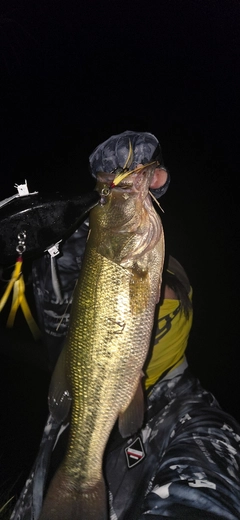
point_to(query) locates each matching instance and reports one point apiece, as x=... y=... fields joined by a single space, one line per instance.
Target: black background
x=74 y=73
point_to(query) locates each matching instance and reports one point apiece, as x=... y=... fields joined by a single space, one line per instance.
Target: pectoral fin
x=131 y=419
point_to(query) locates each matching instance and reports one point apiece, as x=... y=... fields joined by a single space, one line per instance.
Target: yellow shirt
x=170 y=342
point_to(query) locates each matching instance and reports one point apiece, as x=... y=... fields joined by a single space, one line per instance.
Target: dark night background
x=72 y=74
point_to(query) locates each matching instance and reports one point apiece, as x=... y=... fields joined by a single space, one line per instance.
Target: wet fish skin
x=108 y=340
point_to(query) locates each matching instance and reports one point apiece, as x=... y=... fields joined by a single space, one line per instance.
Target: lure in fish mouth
x=107 y=342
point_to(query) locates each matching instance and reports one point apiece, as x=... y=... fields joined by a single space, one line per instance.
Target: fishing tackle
x=17 y=285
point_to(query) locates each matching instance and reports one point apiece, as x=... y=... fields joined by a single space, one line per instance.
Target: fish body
x=107 y=342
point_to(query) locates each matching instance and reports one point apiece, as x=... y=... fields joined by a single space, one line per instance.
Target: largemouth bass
x=107 y=342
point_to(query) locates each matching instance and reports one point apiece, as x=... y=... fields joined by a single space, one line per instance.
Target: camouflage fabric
x=183 y=464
